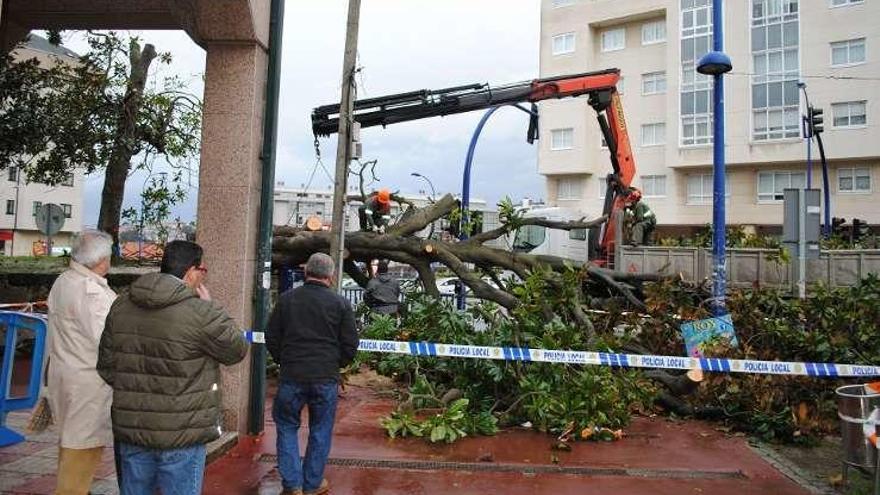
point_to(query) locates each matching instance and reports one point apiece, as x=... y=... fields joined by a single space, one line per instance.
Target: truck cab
x=538 y=240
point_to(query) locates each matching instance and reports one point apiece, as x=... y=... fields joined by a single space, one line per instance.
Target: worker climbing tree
x=375 y=213
x=640 y=218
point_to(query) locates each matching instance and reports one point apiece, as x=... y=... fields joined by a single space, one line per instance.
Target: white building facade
x=831 y=45
x=20 y=199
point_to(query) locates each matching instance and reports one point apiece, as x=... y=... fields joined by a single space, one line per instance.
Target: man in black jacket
x=311 y=335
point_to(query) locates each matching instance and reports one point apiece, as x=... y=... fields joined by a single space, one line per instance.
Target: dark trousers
x=321 y=399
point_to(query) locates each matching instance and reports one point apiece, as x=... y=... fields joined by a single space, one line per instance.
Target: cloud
x=404 y=45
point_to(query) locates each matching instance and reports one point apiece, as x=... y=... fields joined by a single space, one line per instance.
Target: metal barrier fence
x=356 y=296
x=747 y=267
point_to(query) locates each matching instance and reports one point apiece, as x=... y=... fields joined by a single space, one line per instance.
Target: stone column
x=229 y=195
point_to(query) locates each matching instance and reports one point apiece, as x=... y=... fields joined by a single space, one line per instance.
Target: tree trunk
x=126 y=143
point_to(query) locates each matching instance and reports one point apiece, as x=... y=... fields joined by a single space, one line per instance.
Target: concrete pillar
x=10 y=32
x=229 y=194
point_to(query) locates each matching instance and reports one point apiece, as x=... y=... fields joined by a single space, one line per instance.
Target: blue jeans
x=321 y=399
x=172 y=471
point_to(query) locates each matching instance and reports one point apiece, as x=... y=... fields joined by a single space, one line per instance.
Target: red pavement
x=658 y=457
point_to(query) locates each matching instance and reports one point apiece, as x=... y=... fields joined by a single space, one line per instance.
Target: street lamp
x=716 y=63
x=420 y=176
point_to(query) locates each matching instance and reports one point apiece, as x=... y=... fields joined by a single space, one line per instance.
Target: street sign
x=50 y=219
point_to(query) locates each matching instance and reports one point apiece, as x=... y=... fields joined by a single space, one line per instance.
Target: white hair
x=90 y=247
x=320 y=265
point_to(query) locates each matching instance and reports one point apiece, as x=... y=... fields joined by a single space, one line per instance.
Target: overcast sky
x=404 y=45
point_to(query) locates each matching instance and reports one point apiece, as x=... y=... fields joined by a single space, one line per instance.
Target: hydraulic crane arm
x=600 y=87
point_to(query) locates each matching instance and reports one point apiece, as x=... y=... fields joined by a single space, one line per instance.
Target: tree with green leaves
x=103 y=112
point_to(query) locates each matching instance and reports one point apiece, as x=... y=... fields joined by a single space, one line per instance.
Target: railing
x=356 y=296
x=750 y=267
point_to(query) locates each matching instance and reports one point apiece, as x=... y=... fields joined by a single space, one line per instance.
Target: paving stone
x=10 y=480
x=38 y=485
x=33 y=465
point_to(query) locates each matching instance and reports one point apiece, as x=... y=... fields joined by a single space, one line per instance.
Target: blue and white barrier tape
x=724 y=365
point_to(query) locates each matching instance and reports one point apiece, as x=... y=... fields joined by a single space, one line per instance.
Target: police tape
x=615 y=360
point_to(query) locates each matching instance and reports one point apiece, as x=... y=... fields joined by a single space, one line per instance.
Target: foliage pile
x=834 y=325
x=450 y=398
x=447 y=398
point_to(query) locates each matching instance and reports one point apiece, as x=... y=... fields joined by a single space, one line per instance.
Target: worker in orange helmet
x=641 y=219
x=375 y=213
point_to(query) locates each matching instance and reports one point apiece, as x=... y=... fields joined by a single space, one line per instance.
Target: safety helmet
x=384 y=196
x=634 y=195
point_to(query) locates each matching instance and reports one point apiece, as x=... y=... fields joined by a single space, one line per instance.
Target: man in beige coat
x=79 y=399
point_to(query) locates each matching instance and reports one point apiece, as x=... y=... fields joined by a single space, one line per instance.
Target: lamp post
x=420 y=176
x=716 y=63
x=466 y=178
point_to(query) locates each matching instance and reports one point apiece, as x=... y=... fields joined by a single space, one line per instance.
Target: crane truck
x=599 y=87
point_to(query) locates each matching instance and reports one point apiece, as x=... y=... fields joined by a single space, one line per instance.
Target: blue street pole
x=466 y=196
x=716 y=63
x=466 y=187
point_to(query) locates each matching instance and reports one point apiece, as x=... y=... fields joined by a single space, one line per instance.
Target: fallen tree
x=470 y=260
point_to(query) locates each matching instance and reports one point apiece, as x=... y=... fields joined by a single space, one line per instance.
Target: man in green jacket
x=161 y=351
x=641 y=219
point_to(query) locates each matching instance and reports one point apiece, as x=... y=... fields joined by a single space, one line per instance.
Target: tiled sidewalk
x=29 y=467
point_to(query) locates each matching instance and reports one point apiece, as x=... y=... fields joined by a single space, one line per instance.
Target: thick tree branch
x=540 y=221
x=423 y=217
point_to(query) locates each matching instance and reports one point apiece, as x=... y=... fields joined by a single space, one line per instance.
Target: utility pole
x=343 y=147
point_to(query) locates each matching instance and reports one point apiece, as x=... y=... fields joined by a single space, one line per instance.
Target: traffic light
x=815 y=117
x=860 y=229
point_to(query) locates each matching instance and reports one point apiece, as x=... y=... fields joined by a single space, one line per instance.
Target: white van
x=534 y=239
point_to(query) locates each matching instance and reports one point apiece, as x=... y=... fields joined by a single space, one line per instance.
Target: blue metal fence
x=17 y=326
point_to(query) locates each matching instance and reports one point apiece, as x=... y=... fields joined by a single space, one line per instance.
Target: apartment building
x=831 y=45
x=20 y=199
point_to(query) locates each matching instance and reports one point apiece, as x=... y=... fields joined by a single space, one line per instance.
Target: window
x=10 y=207
x=13 y=174
x=528 y=237
x=849 y=114
x=653 y=134
x=843 y=3
x=603 y=186
x=561 y=139
x=654 y=185
x=850 y=180
x=654 y=32
x=653 y=83
x=37 y=206
x=848 y=52
x=775 y=52
x=68 y=181
x=68 y=210
x=772 y=184
x=699 y=189
x=563 y=43
x=621 y=85
x=613 y=39
x=562 y=3
x=569 y=188
x=577 y=234
x=696 y=89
